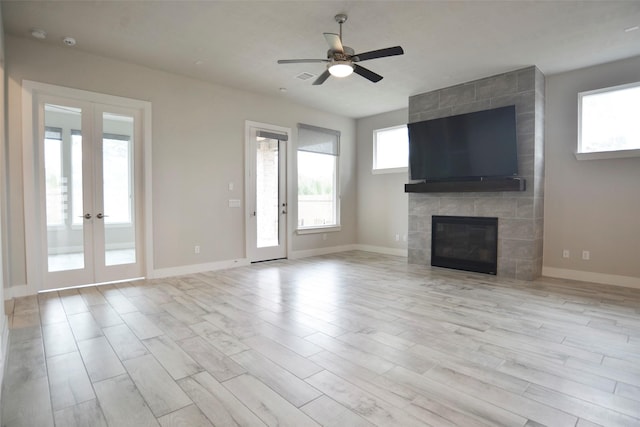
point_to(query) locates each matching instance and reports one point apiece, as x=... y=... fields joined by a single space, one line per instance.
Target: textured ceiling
x=238 y=42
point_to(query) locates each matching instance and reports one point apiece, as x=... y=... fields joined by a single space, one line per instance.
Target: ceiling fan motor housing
x=345 y=55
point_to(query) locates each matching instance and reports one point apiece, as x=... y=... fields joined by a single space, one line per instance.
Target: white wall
x=590 y=205
x=198 y=148
x=382 y=202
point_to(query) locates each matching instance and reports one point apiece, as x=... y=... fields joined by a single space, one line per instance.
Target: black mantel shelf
x=490 y=185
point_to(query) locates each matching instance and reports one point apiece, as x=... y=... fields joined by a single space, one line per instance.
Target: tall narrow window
x=318 y=198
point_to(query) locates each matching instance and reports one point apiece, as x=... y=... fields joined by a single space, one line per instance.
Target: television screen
x=464 y=147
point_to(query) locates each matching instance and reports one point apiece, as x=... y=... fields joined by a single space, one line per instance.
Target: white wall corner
x=197 y=268
x=587 y=276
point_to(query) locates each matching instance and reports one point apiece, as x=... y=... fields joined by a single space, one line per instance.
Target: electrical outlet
x=397 y=237
x=565 y=253
x=586 y=255
x=196 y=249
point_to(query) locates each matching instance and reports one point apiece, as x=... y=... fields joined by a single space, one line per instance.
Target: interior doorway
x=84 y=189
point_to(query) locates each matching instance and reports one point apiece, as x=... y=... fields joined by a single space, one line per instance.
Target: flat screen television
x=465 y=147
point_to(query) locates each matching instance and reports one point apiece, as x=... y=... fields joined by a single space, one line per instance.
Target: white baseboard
x=17 y=291
x=321 y=251
x=384 y=250
x=344 y=248
x=587 y=276
x=197 y=268
x=23 y=290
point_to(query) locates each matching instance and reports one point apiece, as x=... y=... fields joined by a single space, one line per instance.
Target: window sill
x=618 y=154
x=389 y=170
x=315 y=230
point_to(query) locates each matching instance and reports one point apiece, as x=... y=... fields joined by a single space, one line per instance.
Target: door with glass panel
x=266 y=152
x=90 y=192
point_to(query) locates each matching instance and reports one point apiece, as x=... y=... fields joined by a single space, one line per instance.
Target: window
x=608 y=124
x=318 y=199
x=76 y=177
x=63 y=169
x=55 y=179
x=117 y=154
x=390 y=150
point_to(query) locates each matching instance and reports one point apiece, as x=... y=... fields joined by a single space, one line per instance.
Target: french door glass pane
x=118 y=189
x=76 y=177
x=65 y=234
x=54 y=178
x=267 y=209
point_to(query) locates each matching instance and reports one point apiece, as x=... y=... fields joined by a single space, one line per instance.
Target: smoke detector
x=69 y=41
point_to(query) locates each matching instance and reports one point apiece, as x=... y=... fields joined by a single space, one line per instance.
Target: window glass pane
x=391 y=148
x=609 y=120
x=65 y=244
x=267 y=192
x=117 y=189
x=316 y=189
x=76 y=177
x=117 y=179
x=55 y=181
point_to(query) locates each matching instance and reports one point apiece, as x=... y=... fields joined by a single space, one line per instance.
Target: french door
x=266 y=191
x=88 y=182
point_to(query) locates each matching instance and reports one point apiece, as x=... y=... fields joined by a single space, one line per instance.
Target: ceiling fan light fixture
x=340 y=68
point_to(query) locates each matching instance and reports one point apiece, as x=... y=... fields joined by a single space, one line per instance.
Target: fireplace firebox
x=465 y=243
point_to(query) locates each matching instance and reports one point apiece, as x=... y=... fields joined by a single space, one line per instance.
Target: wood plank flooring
x=350 y=339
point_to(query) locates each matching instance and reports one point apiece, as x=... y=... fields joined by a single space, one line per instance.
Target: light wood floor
x=352 y=339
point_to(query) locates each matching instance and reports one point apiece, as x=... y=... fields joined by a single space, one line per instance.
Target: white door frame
x=249 y=186
x=34 y=240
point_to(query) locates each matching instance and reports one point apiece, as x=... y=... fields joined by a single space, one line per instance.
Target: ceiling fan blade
x=334 y=42
x=300 y=61
x=324 y=76
x=367 y=74
x=380 y=53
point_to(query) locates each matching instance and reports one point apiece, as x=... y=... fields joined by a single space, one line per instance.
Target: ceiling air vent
x=305 y=76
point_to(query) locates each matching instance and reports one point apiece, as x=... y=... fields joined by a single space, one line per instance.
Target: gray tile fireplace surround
x=520 y=214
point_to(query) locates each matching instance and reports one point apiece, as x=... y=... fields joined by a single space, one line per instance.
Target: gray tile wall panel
x=520 y=214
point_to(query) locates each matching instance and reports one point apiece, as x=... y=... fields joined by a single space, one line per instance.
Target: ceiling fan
x=342 y=60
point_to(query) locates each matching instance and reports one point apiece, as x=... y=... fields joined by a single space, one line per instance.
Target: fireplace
x=465 y=243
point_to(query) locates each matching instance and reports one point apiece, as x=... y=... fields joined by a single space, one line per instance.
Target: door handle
x=100 y=216
x=86 y=216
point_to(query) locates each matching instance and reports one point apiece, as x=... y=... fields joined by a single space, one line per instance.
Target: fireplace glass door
x=465 y=243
